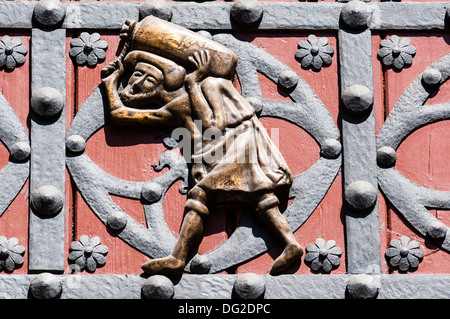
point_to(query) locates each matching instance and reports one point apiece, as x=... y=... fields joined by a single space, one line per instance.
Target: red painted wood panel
x=423 y=156
x=14 y=86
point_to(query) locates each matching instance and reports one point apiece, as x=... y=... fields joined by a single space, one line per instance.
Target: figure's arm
x=200 y=107
x=120 y=113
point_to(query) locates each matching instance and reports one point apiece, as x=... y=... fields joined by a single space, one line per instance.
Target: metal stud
x=330 y=148
x=363 y=286
x=356 y=14
x=357 y=98
x=200 y=265
x=246 y=12
x=20 y=151
x=386 y=156
x=75 y=143
x=158 y=8
x=152 y=192
x=360 y=195
x=49 y=12
x=249 y=286
x=157 y=287
x=117 y=220
x=437 y=230
x=288 y=79
x=256 y=103
x=47 y=102
x=431 y=76
x=47 y=200
x=46 y=286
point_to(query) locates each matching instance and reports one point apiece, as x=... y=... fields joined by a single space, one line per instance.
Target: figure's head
x=152 y=78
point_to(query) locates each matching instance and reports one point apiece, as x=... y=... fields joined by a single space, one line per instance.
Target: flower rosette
x=397 y=52
x=88 y=253
x=88 y=48
x=315 y=52
x=10 y=253
x=404 y=253
x=323 y=255
x=12 y=52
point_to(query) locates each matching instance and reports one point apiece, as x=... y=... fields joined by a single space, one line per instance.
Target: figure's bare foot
x=289 y=255
x=165 y=266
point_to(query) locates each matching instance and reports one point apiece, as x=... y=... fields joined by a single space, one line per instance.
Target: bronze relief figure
x=170 y=77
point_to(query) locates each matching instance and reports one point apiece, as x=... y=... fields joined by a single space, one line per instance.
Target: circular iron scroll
x=248 y=240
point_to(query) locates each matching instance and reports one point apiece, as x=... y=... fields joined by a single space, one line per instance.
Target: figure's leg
x=268 y=212
x=190 y=232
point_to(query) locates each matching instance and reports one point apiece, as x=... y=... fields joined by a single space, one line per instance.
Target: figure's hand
x=113 y=70
x=202 y=62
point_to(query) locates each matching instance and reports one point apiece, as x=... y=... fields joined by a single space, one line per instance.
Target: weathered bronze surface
x=170 y=77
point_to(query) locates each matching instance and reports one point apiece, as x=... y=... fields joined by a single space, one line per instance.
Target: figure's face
x=144 y=86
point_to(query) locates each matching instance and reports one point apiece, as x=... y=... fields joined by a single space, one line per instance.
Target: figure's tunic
x=243 y=160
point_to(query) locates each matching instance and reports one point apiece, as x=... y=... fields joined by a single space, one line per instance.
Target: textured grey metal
x=157 y=287
x=14 y=174
x=359 y=153
x=433 y=286
x=46 y=286
x=363 y=286
x=46 y=240
x=216 y=16
x=246 y=12
x=249 y=286
x=410 y=199
x=49 y=12
x=47 y=102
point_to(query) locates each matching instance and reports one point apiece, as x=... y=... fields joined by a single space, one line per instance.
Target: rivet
x=360 y=195
x=357 y=98
x=205 y=34
x=157 y=287
x=256 y=103
x=356 y=14
x=117 y=220
x=152 y=192
x=200 y=265
x=288 y=79
x=20 y=151
x=47 y=102
x=47 y=200
x=75 y=143
x=249 y=286
x=362 y=286
x=331 y=148
x=49 y=12
x=158 y=8
x=437 y=230
x=386 y=156
x=431 y=76
x=246 y=12
x=46 y=286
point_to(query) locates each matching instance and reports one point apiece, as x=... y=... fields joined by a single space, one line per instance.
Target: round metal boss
x=386 y=156
x=246 y=12
x=157 y=287
x=49 y=12
x=360 y=195
x=363 y=286
x=356 y=14
x=47 y=102
x=357 y=98
x=47 y=200
x=20 y=151
x=249 y=286
x=158 y=8
x=46 y=286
